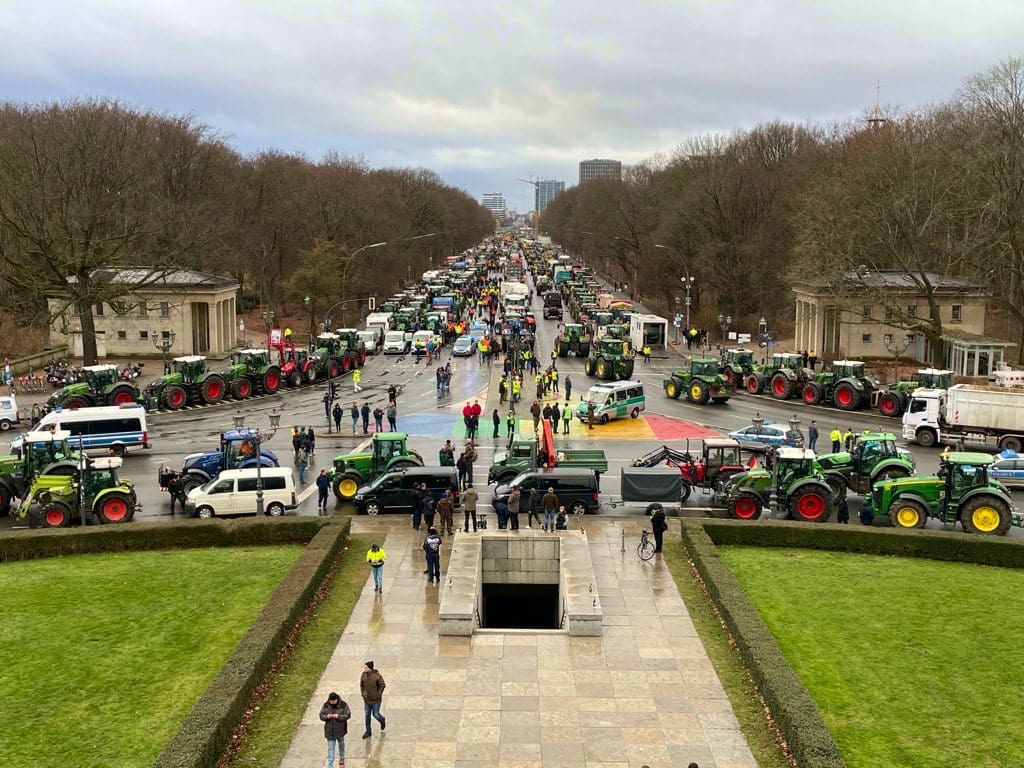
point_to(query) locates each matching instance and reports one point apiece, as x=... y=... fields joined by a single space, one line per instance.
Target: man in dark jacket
x=658 y=525
x=513 y=508
x=371 y=686
x=335 y=714
x=446 y=510
x=432 y=549
x=417 y=508
x=323 y=487
x=365 y=413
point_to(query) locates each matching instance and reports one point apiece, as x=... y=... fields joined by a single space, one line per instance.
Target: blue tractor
x=238 y=450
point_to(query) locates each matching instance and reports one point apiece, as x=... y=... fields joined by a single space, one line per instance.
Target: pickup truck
x=526 y=453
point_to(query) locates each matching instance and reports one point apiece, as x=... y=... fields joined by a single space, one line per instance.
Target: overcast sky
x=483 y=92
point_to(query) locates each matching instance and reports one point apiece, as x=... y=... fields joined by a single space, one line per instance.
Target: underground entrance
x=519 y=606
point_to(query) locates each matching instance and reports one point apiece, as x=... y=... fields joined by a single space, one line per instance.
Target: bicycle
x=645 y=549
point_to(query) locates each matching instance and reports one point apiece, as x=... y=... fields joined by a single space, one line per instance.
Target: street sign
x=679 y=317
x=742 y=337
x=275 y=335
x=677 y=322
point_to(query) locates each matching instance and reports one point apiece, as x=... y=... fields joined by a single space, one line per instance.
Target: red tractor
x=719 y=460
x=298 y=367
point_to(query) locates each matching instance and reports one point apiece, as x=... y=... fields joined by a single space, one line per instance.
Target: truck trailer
x=648 y=331
x=984 y=415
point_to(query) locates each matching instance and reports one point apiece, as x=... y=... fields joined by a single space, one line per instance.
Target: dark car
x=577 y=489
x=393 y=491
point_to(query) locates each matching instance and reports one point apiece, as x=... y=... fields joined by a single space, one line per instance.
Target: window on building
x=889 y=315
x=143 y=309
x=165 y=334
x=866 y=311
x=911 y=310
x=143 y=335
x=165 y=309
x=98 y=309
x=122 y=334
x=957 y=312
x=865 y=338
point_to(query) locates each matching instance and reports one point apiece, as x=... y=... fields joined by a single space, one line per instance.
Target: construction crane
x=536 y=203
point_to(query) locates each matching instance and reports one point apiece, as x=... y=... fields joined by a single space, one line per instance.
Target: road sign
x=677 y=322
x=742 y=337
x=275 y=335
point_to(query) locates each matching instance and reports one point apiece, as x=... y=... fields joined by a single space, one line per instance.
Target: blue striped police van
x=114 y=428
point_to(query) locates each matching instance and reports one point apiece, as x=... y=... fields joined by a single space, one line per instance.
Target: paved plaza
x=644 y=693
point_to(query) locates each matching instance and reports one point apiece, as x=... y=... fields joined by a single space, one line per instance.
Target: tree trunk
x=89 y=356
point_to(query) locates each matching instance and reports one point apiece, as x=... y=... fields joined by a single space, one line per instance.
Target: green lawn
x=103 y=655
x=914 y=663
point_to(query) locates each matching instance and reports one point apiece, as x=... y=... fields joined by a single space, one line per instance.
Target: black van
x=577 y=489
x=393 y=491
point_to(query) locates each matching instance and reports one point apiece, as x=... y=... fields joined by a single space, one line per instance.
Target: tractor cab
x=239 y=446
x=191 y=367
x=254 y=360
x=788 y=360
x=328 y=341
x=100 y=376
x=848 y=369
x=573 y=330
x=100 y=474
x=963 y=472
x=740 y=358
x=603 y=318
x=721 y=457
x=871 y=448
x=933 y=378
x=387 y=446
x=703 y=366
x=791 y=465
x=45 y=447
x=612 y=347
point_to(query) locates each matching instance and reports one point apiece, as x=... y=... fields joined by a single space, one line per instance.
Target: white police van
x=113 y=428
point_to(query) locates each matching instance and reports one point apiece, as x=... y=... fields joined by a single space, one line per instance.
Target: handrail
x=25 y=363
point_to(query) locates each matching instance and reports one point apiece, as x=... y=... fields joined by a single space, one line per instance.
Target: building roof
x=891 y=279
x=966 y=338
x=155 y=278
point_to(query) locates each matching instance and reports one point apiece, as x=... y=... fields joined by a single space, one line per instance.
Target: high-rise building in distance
x=495 y=203
x=547 y=190
x=600 y=169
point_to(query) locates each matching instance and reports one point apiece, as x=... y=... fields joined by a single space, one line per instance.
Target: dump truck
x=983 y=415
x=524 y=454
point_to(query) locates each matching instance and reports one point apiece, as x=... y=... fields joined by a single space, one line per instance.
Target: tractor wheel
x=585 y=350
x=333 y=368
x=907 y=513
x=122 y=395
x=78 y=401
x=345 y=486
x=687 y=489
x=271 y=380
x=847 y=398
x=562 y=348
x=346 y=364
x=213 y=389
x=1010 y=443
x=674 y=387
x=588 y=367
x=295 y=378
x=986 y=514
x=310 y=375
x=729 y=375
x=56 y=514
x=697 y=392
x=746 y=506
x=241 y=388
x=603 y=369
x=116 y=508
x=781 y=387
x=5 y=500
x=190 y=482
x=812 y=393
x=837 y=486
x=890 y=404
x=810 y=504
x=175 y=397
x=755 y=384
x=627 y=369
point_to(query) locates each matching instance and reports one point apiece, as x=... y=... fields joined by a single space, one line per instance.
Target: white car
x=395 y=343
x=371 y=339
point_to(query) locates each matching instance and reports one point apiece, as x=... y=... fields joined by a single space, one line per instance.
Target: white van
x=395 y=343
x=233 y=492
x=612 y=400
x=107 y=427
x=372 y=339
x=9 y=415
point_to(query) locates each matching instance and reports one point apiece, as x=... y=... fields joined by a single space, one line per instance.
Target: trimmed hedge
x=206 y=730
x=190 y=534
x=791 y=706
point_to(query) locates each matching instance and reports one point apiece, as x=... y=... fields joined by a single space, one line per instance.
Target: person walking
x=535 y=412
x=303 y=461
x=514 y=499
x=371 y=686
x=848 y=439
x=550 y=504
x=568 y=387
x=470 y=460
x=429 y=506
x=658 y=525
x=510 y=422
x=533 y=508
x=812 y=434
x=365 y=413
x=590 y=414
x=566 y=418
x=496 y=418
x=323 y=487
x=376 y=557
x=296 y=441
x=432 y=549
x=335 y=714
x=310 y=443
x=836 y=437
x=357 y=376
x=392 y=414
x=354 y=413
x=469 y=500
x=336 y=412
x=446 y=510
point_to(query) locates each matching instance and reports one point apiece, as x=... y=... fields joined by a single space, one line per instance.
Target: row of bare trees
x=89 y=184
x=939 y=191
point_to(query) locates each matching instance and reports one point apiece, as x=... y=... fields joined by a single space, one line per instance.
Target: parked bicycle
x=645 y=549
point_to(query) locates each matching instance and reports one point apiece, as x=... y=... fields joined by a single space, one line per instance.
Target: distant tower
x=875 y=118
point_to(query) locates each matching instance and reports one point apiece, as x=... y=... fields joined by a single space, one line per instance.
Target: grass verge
x=899 y=654
x=273 y=725
x=108 y=652
x=743 y=696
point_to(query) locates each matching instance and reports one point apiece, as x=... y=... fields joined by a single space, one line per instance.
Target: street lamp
x=259 y=438
x=163 y=340
x=687 y=281
x=758 y=422
x=351 y=259
x=893 y=346
x=762 y=338
x=794 y=427
x=724 y=321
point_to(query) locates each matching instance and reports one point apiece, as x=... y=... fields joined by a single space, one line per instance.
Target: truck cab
x=921 y=419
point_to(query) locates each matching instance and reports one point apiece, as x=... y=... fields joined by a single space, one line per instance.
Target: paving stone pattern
x=644 y=693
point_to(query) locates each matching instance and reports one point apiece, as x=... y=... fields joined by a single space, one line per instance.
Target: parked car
x=463 y=346
x=393 y=491
x=233 y=492
x=8 y=412
x=1008 y=469
x=769 y=433
x=396 y=343
x=478 y=330
x=577 y=489
x=371 y=339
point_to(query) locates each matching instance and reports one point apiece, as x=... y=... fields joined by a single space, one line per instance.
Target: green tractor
x=250 y=372
x=573 y=338
x=188 y=382
x=784 y=376
x=328 y=354
x=845 y=385
x=961 y=492
x=794 y=484
x=100 y=385
x=353 y=353
x=94 y=489
x=873 y=458
x=737 y=365
x=389 y=451
x=704 y=381
x=894 y=401
x=43 y=453
x=610 y=360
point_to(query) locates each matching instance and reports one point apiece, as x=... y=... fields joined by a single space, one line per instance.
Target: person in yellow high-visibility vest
x=836 y=437
x=376 y=557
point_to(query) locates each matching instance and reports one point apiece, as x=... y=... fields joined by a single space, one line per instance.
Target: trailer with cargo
x=983 y=415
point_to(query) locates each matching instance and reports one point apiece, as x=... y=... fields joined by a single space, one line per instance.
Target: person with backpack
x=432 y=549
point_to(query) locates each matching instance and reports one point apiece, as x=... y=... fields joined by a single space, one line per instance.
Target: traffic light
x=373 y=303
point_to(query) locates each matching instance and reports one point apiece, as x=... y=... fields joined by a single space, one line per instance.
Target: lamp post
x=724 y=321
x=309 y=305
x=762 y=338
x=794 y=428
x=259 y=438
x=163 y=340
x=892 y=345
x=758 y=422
x=351 y=259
